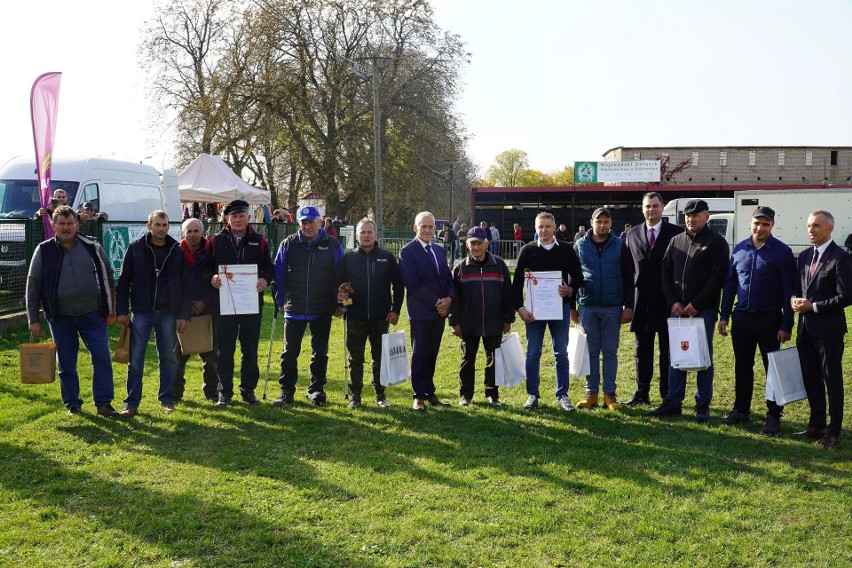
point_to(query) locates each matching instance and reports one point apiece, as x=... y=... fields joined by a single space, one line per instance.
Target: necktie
x=814 y=264
x=429 y=250
x=651 y=237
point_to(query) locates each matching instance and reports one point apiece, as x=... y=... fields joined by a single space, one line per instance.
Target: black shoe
x=74 y=409
x=107 y=410
x=494 y=402
x=355 y=401
x=736 y=417
x=702 y=413
x=665 y=409
x=223 y=401
x=284 y=399
x=249 y=398
x=637 y=399
x=317 y=398
x=772 y=425
x=382 y=401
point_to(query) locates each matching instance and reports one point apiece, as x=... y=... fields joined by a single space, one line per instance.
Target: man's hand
x=35 y=329
x=627 y=315
x=507 y=327
x=443 y=306
x=197 y=307
x=457 y=331
x=784 y=336
x=723 y=328
x=339 y=311
x=216 y=281
x=525 y=315
x=110 y=319
x=392 y=318
x=802 y=305
x=690 y=310
x=677 y=309
x=565 y=290
x=575 y=317
x=261 y=284
x=122 y=320
x=181 y=325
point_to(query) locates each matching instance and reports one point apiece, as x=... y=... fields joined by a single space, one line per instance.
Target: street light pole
x=377 y=147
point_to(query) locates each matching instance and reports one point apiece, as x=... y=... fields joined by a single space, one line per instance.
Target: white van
x=673 y=211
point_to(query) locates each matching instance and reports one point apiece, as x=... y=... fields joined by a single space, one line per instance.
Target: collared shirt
x=430 y=250
x=656 y=228
x=762 y=280
x=549 y=246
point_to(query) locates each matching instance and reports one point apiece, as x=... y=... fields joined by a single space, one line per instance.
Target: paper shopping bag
x=784 y=383
x=38 y=363
x=198 y=336
x=509 y=362
x=122 y=348
x=395 y=367
x=688 y=349
x=578 y=352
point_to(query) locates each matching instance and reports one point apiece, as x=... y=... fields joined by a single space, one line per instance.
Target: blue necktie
x=429 y=250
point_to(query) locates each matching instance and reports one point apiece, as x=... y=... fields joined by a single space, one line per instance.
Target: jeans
x=92 y=329
x=164 y=324
x=227 y=329
x=749 y=331
x=602 y=325
x=467 y=372
x=209 y=370
x=704 y=386
x=358 y=331
x=294 y=332
x=559 y=341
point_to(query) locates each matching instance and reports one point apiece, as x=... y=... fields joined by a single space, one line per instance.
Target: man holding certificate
x=239 y=265
x=549 y=272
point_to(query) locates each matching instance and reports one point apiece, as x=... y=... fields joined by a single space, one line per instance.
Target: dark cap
x=767 y=212
x=236 y=206
x=695 y=206
x=601 y=211
x=308 y=213
x=88 y=205
x=477 y=234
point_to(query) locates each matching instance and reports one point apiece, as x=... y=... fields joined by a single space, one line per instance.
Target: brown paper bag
x=38 y=363
x=122 y=348
x=198 y=336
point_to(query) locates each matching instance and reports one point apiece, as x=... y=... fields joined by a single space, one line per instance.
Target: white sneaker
x=531 y=403
x=564 y=403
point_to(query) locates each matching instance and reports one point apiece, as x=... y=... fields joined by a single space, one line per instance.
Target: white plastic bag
x=578 y=352
x=395 y=367
x=509 y=362
x=688 y=349
x=784 y=383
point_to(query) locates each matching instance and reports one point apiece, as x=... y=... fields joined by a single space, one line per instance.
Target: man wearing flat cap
x=760 y=274
x=238 y=243
x=309 y=271
x=694 y=268
x=482 y=308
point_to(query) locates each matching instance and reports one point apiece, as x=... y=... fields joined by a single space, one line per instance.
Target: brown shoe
x=107 y=410
x=812 y=433
x=419 y=405
x=590 y=401
x=611 y=401
x=828 y=441
x=435 y=401
x=129 y=412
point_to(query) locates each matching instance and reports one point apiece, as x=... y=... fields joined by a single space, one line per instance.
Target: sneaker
x=223 y=401
x=611 y=401
x=355 y=401
x=590 y=401
x=736 y=417
x=284 y=399
x=665 y=409
x=494 y=401
x=564 y=403
x=531 y=403
x=382 y=401
x=702 y=413
x=772 y=425
x=74 y=410
x=317 y=398
x=249 y=398
x=107 y=410
x=464 y=401
x=168 y=407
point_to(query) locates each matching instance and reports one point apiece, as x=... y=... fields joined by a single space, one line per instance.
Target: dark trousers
x=209 y=371
x=749 y=331
x=227 y=329
x=358 y=331
x=822 y=370
x=294 y=332
x=467 y=371
x=644 y=357
x=425 y=343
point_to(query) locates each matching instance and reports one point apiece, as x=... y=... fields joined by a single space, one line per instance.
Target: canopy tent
x=209 y=179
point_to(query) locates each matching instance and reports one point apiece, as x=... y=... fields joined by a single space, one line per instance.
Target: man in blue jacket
x=482 y=308
x=373 y=285
x=308 y=272
x=153 y=286
x=429 y=284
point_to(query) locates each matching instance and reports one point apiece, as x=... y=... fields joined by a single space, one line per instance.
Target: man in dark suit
x=823 y=288
x=429 y=286
x=647 y=244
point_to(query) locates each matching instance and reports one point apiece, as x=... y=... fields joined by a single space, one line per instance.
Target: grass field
x=305 y=486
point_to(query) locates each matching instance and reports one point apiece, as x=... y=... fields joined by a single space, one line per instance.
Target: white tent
x=209 y=179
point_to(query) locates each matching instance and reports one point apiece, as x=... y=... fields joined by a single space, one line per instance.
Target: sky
x=561 y=80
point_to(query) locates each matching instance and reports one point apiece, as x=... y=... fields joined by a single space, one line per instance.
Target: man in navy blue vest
x=429 y=286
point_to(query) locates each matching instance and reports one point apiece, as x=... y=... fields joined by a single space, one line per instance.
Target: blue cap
x=308 y=213
x=477 y=234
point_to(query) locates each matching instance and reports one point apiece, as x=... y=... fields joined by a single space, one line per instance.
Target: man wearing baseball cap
x=694 y=268
x=238 y=243
x=761 y=275
x=308 y=270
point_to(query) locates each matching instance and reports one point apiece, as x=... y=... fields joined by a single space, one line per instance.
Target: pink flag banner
x=44 y=104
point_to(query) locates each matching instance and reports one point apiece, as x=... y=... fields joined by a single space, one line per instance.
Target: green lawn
x=305 y=486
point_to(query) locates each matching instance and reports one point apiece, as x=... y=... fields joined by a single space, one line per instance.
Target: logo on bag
x=684 y=345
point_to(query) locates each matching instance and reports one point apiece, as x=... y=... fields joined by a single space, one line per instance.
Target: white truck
x=792 y=207
x=673 y=211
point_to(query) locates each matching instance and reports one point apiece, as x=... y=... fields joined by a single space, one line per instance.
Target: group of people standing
x=654 y=271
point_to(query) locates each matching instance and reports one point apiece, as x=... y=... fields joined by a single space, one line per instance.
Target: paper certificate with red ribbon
x=238 y=294
x=542 y=290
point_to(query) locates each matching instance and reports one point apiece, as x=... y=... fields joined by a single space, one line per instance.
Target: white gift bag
x=509 y=362
x=688 y=349
x=784 y=383
x=578 y=352
x=395 y=367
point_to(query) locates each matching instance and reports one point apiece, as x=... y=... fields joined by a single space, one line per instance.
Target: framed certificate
x=542 y=294
x=238 y=294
